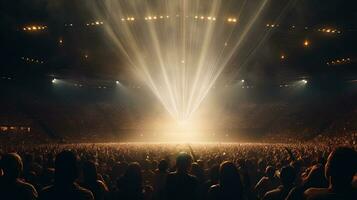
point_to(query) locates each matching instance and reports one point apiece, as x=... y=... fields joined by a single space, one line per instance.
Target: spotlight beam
x=179 y=57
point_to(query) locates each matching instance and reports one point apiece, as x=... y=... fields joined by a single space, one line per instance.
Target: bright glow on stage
x=180 y=56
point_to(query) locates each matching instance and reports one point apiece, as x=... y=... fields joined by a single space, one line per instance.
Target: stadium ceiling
x=312 y=38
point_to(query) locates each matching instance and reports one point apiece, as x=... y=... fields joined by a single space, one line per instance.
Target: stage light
x=304 y=81
x=117 y=82
x=54 y=80
x=282 y=57
x=242 y=81
x=306 y=43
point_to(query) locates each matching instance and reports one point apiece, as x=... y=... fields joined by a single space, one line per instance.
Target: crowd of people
x=256 y=171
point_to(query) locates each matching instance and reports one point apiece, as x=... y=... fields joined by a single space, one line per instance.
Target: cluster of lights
x=32 y=60
x=284 y=85
x=247 y=87
x=209 y=18
x=197 y=17
x=6 y=78
x=5 y=128
x=77 y=85
x=339 y=61
x=128 y=19
x=243 y=86
x=96 y=23
x=272 y=25
x=299 y=83
x=149 y=18
x=329 y=30
x=232 y=20
x=34 y=28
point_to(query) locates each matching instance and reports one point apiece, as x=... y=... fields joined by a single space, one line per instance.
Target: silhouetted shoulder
x=17 y=190
x=273 y=194
x=214 y=192
x=326 y=194
x=74 y=192
x=28 y=189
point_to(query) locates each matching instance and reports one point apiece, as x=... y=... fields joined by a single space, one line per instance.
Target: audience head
x=66 y=168
x=163 y=166
x=183 y=162
x=12 y=166
x=214 y=173
x=229 y=176
x=89 y=171
x=287 y=175
x=341 y=166
x=133 y=176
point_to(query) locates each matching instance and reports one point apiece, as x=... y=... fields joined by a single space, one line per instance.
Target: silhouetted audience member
x=130 y=185
x=340 y=168
x=315 y=178
x=180 y=184
x=230 y=185
x=11 y=187
x=91 y=181
x=213 y=179
x=287 y=178
x=160 y=179
x=267 y=182
x=65 y=187
x=198 y=172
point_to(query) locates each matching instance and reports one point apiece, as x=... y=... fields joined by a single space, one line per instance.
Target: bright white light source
x=54 y=80
x=117 y=82
x=304 y=81
x=242 y=81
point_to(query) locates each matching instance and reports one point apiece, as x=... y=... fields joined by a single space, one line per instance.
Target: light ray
x=178 y=47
